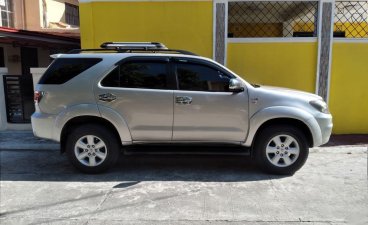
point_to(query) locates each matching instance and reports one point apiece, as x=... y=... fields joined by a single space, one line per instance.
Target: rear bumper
x=43 y=125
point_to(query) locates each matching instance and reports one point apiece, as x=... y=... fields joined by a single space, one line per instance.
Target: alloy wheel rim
x=90 y=150
x=282 y=150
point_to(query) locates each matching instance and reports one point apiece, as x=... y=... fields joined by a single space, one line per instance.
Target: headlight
x=320 y=105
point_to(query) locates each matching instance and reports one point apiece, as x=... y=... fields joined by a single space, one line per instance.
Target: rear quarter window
x=64 y=69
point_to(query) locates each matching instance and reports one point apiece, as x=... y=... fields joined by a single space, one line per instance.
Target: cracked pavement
x=41 y=187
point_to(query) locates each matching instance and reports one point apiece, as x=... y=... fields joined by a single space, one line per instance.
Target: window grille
x=272 y=19
x=71 y=14
x=351 y=19
x=7 y=13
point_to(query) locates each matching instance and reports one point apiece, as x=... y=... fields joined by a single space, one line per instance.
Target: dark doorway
x=2 y=58
x=29 y=58
x=18 y=92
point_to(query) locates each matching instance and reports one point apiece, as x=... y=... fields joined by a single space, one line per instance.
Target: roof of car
x=117 y=51
x=123 y=55
x=130 y=47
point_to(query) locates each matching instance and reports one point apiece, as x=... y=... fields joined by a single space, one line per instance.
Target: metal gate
x=18 y=98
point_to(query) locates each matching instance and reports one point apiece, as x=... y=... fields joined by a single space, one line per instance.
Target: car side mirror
x=235 y=85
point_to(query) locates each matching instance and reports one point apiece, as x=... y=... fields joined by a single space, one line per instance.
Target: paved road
x=40 y=187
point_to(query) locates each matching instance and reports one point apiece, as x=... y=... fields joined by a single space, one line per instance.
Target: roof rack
x=130 y=47
x=134 y=45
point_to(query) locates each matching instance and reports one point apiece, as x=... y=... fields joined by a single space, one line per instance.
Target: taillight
x=37 y=96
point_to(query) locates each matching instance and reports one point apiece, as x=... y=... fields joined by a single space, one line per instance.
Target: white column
x=3 y=120
x=36 y=75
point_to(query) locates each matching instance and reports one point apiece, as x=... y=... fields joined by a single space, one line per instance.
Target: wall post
x=325 y=37
x=220 y=12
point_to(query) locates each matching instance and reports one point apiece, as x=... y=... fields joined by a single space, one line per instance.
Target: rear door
x=205 y=109
x=139 y=89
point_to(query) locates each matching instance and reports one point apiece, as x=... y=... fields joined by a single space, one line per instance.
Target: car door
x=205 y=109
x=140 y=87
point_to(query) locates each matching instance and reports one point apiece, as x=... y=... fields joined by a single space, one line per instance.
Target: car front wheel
x=92 y=148
x=281 y=149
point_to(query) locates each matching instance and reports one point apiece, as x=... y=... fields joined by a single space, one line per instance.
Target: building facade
x=31 y=31
x=319 y=46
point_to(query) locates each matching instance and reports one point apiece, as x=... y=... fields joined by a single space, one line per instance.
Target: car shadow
x=45 y=165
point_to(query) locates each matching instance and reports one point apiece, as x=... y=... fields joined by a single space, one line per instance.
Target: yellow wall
x=349 y=88
x=179 y=25
x=290 y=65
x=188 y=25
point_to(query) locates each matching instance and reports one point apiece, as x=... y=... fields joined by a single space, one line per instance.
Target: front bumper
x=325 y=123
x=43 y=125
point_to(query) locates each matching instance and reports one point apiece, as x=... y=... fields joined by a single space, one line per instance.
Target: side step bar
x=186 y=150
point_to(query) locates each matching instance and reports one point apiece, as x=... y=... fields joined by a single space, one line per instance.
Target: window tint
x=195 y=77
x=64 y=69
x=138 y=74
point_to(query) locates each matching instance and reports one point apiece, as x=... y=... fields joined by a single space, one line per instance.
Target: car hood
x=290 y=92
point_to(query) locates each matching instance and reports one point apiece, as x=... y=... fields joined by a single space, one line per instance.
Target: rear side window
x=138 y=74
x=64 y=69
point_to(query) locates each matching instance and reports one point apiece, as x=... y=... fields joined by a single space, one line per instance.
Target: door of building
x=29 y=59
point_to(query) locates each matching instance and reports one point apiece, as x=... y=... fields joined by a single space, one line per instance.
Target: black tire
x=265 y=138
x=111 y=149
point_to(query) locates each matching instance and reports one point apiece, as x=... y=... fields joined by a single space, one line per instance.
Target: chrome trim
x=185 y=100
x=108 y=97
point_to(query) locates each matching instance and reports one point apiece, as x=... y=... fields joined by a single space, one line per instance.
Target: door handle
x=184 y=100
x=108 y=97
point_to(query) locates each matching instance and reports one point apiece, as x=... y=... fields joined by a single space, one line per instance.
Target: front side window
x=138 y=74
x=196 y=77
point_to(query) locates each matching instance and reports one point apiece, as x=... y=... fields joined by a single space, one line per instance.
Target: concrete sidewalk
x=38 y=186
x=42 y=187
x=25 y=140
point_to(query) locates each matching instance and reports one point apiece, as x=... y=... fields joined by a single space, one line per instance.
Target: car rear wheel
x=92 y=148
x=281 y=149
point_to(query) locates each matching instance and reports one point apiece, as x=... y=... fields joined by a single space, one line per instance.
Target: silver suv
x=96 y=102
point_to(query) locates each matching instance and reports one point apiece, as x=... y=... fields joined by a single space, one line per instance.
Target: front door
x=143 y=97
x=204 y=109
